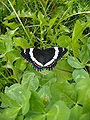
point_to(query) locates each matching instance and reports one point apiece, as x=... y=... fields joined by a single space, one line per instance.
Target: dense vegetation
x=60 y=94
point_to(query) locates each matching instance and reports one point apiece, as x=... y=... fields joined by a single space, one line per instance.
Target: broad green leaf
x=63 y=71
x=83 y=89
x=85 y=116
x=13 y=56
x=20 y=117
x=14 y=92
x=36 y=117
x=7 y=101
x=36 y=104
x=47 y=77
x=20 y=64
x=45 y=94
x=29 y=82
x=79 y=74
x=76 y=113
x=21 y=42
x=10 y=113
x=85 y=53
x=64 y=41
x=59 y=111
x=30 y=77
x=74 y=62
x=63 y=91
x=26 y=94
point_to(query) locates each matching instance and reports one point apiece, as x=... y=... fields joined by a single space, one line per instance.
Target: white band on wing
x=33 y=59
x=48 y=63
x=55 y=57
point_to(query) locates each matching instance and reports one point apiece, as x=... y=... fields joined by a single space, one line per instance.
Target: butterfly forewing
x=62 y=51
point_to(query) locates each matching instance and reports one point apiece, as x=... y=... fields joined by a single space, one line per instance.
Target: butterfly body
x=41 y=58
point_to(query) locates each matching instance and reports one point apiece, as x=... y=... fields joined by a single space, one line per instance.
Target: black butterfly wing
x=39 y=55
x=26 y=55
x=29 y=55
x=62 y=52
x=43 y=58
x=52 y=55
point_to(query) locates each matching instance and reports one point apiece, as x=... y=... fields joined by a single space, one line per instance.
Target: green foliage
x=60 y=94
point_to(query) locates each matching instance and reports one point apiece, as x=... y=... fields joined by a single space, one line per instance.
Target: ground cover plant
x=62 y=93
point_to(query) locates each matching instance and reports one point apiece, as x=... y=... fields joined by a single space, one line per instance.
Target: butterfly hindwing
x=43 y=58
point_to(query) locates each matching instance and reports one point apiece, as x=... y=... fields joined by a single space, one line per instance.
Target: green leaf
x=85 y=116
x=64 y=41
x=74 y=62
x=79 y=74
x=21 y=42
x=76 y=112
x=20 y=64
x=26 y=94
x=85 y=53
x=64 y=28
x=63 y=71
x=62 y=112
x=30 y=77
x=51 y=23
x=47 y=77
x=63 y=91
x=8 y=39
x=13 y=56
x=12 y=25
x=10 y=113
x=36 y=117
x=29 y=82
x=7 y=101
x=45 y=94
x=83 y=89
x=14 y=92
x=36 y=104
x=42 y=19
x=77 y=34
x=2 y=46
x=22 y=14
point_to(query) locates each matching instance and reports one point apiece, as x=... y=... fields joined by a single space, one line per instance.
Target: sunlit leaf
x=74 y=62
x=81 y=73
x=14 y=91
x=85 y=53
x=83 y=89
x=21 y=42
x=63 y=91
x=30 y=78
x=64 y=41
x=61 y=111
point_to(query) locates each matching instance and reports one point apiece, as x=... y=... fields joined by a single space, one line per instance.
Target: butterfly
x=43 y=58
